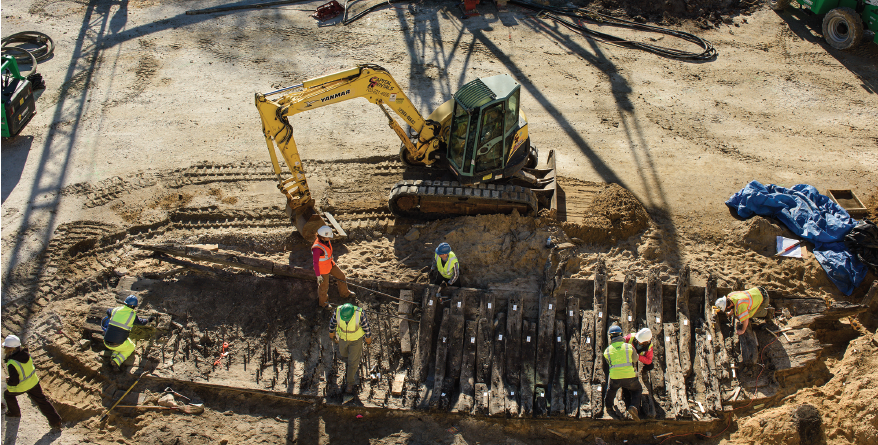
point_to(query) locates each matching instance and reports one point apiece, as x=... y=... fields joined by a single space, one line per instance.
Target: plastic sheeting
x=813 y=217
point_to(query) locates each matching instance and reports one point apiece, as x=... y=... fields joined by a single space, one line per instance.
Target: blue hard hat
x=614 y=331
x=131 y=301
x=443 y=249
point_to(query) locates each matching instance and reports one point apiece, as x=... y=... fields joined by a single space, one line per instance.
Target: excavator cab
x=488 y=138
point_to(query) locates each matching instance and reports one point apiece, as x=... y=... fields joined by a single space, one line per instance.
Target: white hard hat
x=644 y=335
x=325 y=232
x=721 y=303
x=12 y=342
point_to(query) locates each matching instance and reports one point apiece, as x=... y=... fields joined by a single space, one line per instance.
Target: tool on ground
x=18 y=98
x=790 y=248
x=328 y=11
x=223 y=353
x=168 y=390
x=107 y=413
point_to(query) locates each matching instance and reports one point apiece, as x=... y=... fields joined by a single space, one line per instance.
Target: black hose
x=45 y=45
x=29 y=59
x=348 y=21
x=556 y=13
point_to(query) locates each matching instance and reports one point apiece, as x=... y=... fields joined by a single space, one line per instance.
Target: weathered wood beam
x=629 y=304
x=425 y=336
x=684 y=325
x=513 y=341
x=484 y=349
x=467 y=372
x=442 y=344
x=676 y=385
x=545 y=347
x=714 y=403
x=528 y=355
x=586 y=364
x=558 y=396
x=498 y=386
x=654 y=308
x=599 y=376
x=456 y=347
x=573 y=326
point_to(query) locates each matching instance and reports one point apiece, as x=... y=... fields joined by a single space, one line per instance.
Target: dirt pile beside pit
x=707 y=13
x=615 y=214
x=847 y=406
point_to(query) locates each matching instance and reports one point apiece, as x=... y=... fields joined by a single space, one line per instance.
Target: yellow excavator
x=477 y=144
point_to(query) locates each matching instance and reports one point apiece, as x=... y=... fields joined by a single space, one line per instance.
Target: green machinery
x=844 y=21
x=18 y=98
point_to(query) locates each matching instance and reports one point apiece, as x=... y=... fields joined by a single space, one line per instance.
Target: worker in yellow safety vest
x=744 y=305
x=117 y=325
x=21 y=376
x=324 y=266
x=445 y=268
x=621 y=357
x=349 y=327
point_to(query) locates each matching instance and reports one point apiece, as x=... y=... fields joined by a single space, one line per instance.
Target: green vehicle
x=845 y=20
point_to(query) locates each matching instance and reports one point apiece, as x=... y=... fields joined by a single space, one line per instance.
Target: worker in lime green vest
x=744 y=305
x=21 y=376
x=349 y=327
x=445 y=268
x=621 y=357
x=117 y=325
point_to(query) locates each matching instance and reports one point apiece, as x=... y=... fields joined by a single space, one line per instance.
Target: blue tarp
x=811 y=216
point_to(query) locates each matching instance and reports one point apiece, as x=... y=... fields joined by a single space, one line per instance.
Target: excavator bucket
x=545 y=184
x=306 y=220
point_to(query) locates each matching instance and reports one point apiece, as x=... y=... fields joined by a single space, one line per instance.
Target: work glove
x=368 y=340
x=320 y=280
x=335 y=339
x=151 y=318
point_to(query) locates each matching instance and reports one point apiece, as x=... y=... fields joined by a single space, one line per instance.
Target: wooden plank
x=684 y=325
x=629 y=304
x=405 y=338
x=546 y=329
x=406 y=297
x=484 y=350
x=558 y=395
x=442 y=345
x=424 y=396
x=513 y=341
x=482 y=399
x=528 y=355
x=599 y=375
x=573 y=325
x=676 y=386
x=654 y=310
x=487 y=307
x=714 y=403
x=512 y=405
x=425 y=335
x=871 y=297
x=411 y=395
x=456 y=346
x=498 y=386
x=467 y=372
x=586 y=363
x=749 y=346
x=573 y=401
x=398 y=383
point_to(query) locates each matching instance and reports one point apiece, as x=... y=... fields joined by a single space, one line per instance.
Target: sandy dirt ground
x=148 y=121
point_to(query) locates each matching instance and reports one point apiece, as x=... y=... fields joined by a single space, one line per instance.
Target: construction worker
x=744 y=305
x=117 y=325
x=445 y=268
x=324 y=265
x=620 y=356
x=642 y=342
x=21 y=376
x=348 y=328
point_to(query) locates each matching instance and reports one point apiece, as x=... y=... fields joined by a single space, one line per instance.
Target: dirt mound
x=615 y=214
x=708 y=13
x=845 y=410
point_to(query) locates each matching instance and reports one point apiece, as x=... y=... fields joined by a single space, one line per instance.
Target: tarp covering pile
x=813 y=217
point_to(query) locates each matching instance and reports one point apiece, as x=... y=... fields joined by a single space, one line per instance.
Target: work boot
x=349 y=389
x=632 y=411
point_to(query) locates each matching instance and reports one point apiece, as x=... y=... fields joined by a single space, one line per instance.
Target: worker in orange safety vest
x=324 y=265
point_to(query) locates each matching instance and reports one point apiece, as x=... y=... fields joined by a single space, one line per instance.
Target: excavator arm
x=370 y=82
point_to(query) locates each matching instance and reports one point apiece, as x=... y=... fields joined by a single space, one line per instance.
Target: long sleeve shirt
x=21 y=356
x=364 y=323
x=316 y=253
x=644 y=356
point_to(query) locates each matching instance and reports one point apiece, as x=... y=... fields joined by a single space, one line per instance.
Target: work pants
x=351 y=352
x=121 y=352
x=631 y=390
x=762 y=310
x=323 y=288
x=36 y=395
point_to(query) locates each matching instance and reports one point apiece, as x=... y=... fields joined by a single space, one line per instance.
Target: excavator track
x=425 y=199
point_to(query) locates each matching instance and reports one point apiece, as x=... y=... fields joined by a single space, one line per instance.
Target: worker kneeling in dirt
x=642 y=342
x=744 y=305
x=117 y=325
x=21 y=376
x=349 y=327
x=445 y=269
x=324 y=265
x=621 y=358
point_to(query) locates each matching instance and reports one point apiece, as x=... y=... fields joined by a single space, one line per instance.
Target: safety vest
x=27 y=375
x=446 y=271
x=632 y=341
x=746 y=302
x=122 y=317
x=620 y=356
x=351 y=330
x=326 y=261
